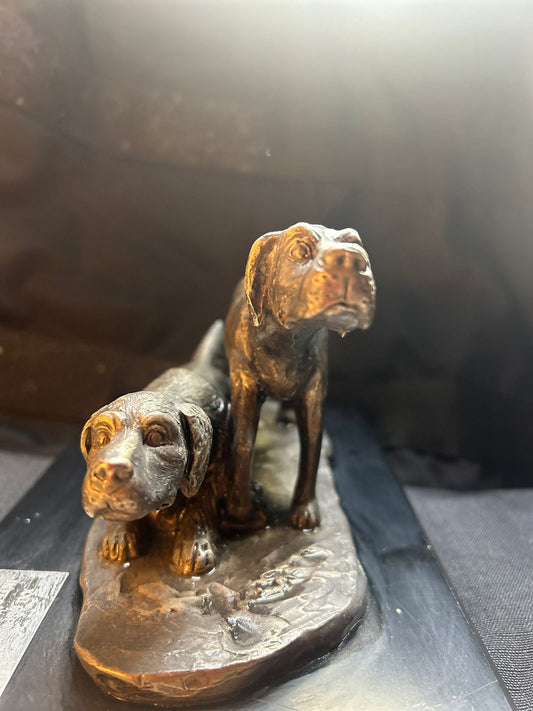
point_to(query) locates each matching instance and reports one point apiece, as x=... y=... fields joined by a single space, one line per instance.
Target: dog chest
x=282 y=378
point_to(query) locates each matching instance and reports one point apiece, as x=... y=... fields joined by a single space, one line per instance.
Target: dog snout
x=112 y=472
x=345 y=260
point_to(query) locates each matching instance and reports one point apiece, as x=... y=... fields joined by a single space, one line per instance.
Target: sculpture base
x=276 y=600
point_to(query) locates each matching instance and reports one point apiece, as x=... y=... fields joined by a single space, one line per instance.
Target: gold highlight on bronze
x=195 y=588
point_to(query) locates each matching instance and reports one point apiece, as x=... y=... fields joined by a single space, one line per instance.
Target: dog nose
x=346 y=260
x=116 y=471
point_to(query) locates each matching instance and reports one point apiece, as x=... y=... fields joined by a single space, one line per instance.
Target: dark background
x=145 y=145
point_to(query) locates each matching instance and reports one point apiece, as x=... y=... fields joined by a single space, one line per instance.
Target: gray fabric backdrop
x=484 y=542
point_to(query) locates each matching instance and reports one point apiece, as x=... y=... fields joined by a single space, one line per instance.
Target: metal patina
x=298 y=284
x=175 y=610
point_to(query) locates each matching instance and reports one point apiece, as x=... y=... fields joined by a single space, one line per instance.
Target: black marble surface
x=414 y=649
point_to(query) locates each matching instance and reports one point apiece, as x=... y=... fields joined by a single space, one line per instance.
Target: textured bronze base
x=276 y=600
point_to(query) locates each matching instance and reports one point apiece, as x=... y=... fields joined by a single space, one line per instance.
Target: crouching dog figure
x=154 y=461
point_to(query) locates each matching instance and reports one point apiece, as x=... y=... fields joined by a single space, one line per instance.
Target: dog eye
x=155 y=437
x=300 y=252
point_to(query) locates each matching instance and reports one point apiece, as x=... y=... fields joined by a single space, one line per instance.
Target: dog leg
x=122 y=541
x=194 y=549
x=305 y=513
x=241 y=513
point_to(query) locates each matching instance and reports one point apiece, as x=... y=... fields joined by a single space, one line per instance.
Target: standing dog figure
x=298 y=284
x=147 y=456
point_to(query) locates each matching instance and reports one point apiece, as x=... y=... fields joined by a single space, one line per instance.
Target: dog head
x=311 y=276
x=140 y=450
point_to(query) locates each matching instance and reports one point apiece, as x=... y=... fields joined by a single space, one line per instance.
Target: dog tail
x=210 y=351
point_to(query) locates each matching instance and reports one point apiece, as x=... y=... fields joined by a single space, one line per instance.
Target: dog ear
x=85 y=440
x=259 y=274
x=198 y=432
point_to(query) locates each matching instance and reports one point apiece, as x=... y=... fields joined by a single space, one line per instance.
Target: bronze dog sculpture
x=298 y=284
x=147 y=456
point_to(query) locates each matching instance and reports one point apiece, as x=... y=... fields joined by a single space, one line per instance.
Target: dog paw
x=193 y=556
x=306 y=517
x=120 y=543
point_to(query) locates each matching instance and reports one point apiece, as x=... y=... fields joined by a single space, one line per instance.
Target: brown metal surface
x=148 y=454
x=276 y=600
x=160 y=472
x=299 y=284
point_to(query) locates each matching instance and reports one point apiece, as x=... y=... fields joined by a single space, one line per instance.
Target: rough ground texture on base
x=276 y=600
